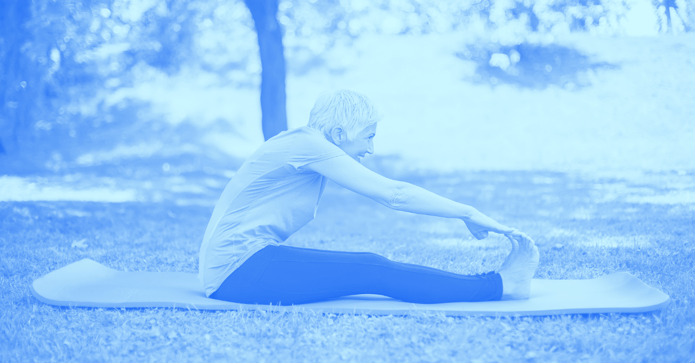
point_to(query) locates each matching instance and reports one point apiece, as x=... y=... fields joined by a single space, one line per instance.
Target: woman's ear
x=338 y=135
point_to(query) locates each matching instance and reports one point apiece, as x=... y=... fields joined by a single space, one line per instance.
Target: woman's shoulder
x=300 y=138
x=302 y=131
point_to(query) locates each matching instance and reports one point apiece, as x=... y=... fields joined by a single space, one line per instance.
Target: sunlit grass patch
x=38 y=237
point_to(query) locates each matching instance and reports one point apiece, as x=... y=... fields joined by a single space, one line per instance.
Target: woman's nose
x=370 y=150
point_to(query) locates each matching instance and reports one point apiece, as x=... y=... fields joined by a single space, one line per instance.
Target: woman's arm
x=402 y=196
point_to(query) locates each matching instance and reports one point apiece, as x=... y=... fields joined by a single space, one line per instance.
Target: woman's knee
x=374 y=258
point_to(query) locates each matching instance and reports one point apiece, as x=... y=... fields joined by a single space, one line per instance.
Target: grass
x=582 y=232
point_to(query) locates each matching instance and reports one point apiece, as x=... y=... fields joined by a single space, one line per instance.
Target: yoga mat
x=87 y=283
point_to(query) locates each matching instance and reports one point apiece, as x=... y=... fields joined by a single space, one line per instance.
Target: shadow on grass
x=533 y=66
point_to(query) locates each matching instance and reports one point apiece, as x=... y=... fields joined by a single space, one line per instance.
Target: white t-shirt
x=269 y=198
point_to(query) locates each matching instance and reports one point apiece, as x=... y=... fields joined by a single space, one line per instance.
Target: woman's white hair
x=349 y=110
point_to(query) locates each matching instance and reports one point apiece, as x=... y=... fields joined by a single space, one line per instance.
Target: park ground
x=585 y=227
x=596 y=171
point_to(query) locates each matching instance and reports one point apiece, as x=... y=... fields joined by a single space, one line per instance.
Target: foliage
x=69 y=67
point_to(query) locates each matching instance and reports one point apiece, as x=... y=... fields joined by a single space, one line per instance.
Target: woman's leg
x=290 y=275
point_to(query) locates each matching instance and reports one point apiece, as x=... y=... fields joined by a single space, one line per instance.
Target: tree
x=14 y=113
x=273 y=96
x=28 y=60
x=668 y=6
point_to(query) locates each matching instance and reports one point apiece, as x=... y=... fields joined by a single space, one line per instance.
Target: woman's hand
x=479 y=225
x=477 y=231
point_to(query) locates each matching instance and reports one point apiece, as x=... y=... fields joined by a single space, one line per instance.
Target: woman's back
x=269 y=198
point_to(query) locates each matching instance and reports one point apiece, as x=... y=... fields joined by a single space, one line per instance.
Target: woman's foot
x=511 y=256
x=518 y=269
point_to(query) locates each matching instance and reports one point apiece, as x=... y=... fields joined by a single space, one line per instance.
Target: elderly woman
x=277 y=191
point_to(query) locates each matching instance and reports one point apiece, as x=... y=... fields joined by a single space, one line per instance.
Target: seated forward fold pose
x=276 y=192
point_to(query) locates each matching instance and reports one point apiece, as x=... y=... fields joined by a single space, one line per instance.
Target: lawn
x=584 y=226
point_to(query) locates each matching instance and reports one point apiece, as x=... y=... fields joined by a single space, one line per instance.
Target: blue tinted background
x=570 y=119
x=141 y=90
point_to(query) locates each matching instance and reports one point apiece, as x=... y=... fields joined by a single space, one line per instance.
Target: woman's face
x=361 y=145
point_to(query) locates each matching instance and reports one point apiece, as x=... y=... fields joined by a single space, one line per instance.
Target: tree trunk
x=273 y=98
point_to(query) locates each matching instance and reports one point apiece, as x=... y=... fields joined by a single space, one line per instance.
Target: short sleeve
x=310 y=146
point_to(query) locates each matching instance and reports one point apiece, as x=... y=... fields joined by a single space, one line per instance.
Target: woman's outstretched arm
x=402 y=196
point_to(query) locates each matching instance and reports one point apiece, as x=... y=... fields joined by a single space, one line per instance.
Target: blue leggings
x=283 y=275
